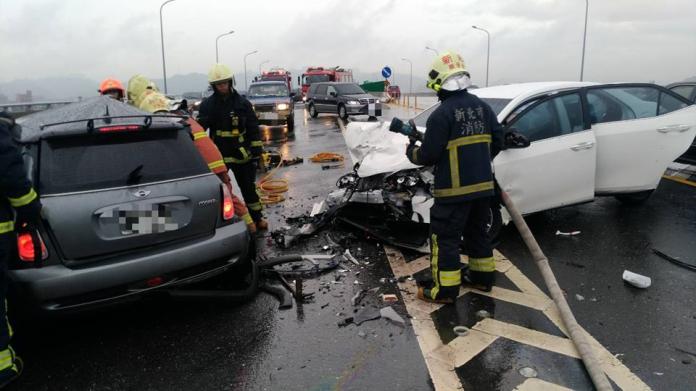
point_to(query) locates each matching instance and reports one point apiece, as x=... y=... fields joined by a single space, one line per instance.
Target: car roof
x=282 y=82
x=34 y=127
x=512 y=91
x=681 y=83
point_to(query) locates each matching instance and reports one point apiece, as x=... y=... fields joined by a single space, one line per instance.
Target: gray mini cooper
x=129 y=206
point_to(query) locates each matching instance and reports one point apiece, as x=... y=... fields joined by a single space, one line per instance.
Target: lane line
x=442 y=360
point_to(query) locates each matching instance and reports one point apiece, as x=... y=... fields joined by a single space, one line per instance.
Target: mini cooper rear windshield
x=102 y=161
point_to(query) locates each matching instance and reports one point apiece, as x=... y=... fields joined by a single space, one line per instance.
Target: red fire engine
x=319 y=74
x=277 y=74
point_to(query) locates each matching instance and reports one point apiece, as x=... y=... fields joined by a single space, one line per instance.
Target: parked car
x=344 y=99
x=587 y=140
x=273 y=103
x=129 y=206
x=688 y=90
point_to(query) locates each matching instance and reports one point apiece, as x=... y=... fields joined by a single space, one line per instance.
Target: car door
x=558 y=168
x=320 y=97
x=331 y=99
x=640 y=129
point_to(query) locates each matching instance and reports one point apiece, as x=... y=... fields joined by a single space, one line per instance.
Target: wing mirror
x=515 y=139
x=332 y=94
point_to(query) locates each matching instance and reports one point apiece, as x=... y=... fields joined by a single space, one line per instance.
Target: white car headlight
x=353 y=102
x=283 y=106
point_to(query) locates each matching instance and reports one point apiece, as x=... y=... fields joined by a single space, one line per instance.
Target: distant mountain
x=51 y=88
x=692 y=78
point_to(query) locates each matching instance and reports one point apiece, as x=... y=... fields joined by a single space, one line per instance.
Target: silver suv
x=343 y=99
x=129 y=206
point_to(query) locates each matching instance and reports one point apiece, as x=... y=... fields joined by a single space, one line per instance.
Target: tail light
x=119 y=128
x=25 y=245
x=227 y=204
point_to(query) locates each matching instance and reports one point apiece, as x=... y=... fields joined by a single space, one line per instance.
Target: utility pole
x=164 y=66
x=488 y=51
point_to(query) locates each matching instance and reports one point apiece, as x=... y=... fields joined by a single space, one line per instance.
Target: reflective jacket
x=458 y=139
x=233 y=126
x=15 y=188
x=213 y=158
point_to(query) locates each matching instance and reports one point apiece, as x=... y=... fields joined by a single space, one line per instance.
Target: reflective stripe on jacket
x=458 y=139
x=15 y=188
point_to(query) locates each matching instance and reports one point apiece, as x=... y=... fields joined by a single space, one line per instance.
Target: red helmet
x=108 y=85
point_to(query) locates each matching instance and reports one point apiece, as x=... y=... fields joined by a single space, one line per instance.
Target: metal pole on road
x=261 y=65
x=217 y=58
x=410 y=81
x=488 y=51
x=164 y=66
x=246 y=83
x=435 y=51
x=584 y=38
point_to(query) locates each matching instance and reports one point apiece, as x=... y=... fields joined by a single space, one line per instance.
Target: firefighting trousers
x=448 y=224
x=245 y=174
x=7 y=355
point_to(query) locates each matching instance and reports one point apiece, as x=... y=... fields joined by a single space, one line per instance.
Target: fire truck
x=319 y=74
x=277 y=74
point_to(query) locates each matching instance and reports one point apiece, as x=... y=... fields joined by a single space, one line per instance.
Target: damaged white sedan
x=586 y=140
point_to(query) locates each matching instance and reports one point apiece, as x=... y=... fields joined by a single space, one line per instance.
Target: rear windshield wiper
x=134 y=176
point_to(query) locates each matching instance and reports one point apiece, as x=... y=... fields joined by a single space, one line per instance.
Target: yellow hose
x=272 y=190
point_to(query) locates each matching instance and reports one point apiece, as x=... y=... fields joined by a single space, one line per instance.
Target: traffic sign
x=386 y=72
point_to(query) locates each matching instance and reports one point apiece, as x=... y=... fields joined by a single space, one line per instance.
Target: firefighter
x=112 y=88
x=158 y=103
x=235 y=129
x=19 y=210
x=459 y=138
x=139 y=86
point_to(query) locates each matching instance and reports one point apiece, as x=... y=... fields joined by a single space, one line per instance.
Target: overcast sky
x=531 y=40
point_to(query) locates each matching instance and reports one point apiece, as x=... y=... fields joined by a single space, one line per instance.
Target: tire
x=342 y=112
x=495 y=226
x=634 y=198
x=291 y=124
x=313 y=110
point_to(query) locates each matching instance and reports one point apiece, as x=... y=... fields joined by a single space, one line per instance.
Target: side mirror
x=332 y=94
x=515 y=139
x=298 y=81
x=292 y=94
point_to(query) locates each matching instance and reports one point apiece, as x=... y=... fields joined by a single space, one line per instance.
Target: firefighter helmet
x=219 y=73
x=445 y=66
x=154 y=103
x=136 y=85
x=109 y=84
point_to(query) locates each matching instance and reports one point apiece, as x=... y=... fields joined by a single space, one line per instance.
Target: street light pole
x=164 y=66
x=488 y=50
x=584 y=38
x=410 y=82
x=217 y=58
x=246 y=85
x=261 y=65
x=429 y=48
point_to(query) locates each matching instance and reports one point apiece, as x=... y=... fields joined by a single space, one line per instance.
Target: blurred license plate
x=269 y=115
x=156 y=220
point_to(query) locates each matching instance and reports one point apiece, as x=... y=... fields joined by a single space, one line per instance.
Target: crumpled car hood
x=376 y=148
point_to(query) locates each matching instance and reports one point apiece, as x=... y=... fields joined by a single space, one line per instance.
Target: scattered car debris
x=351 y=258
x=571 y=233
x=355 y=300
x=292 y=162
x=637 y=280
x=389 y=298
x=482 y=314
x=528 y=372
x=391 y=315
x=362 y=334
x=675 y=261
x=579 y=297
x=461 y=330
x=318 y=208
x=367 y=313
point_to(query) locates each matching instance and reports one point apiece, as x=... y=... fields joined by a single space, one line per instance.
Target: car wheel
x=313 y=111
x=291 y=124
x=634 y=198
x=342 y=112
x=494 y=225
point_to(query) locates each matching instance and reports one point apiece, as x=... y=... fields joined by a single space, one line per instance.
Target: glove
x=28 y=216
x=410 y=149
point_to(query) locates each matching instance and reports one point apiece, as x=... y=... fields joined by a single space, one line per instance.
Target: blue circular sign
x=386 y=72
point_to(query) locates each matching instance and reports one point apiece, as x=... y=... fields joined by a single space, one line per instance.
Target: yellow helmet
x=136 y=85
x=445 y=66
x=154 y=103
x=220 y=72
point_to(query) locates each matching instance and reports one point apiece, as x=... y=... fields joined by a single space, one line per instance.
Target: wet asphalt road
x=163 y=344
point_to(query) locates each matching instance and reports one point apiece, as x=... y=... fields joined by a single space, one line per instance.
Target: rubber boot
x=482 y=281
x=12 y=373
x=424 y=294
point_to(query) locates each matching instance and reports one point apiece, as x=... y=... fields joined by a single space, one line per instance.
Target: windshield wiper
x=134 y=176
